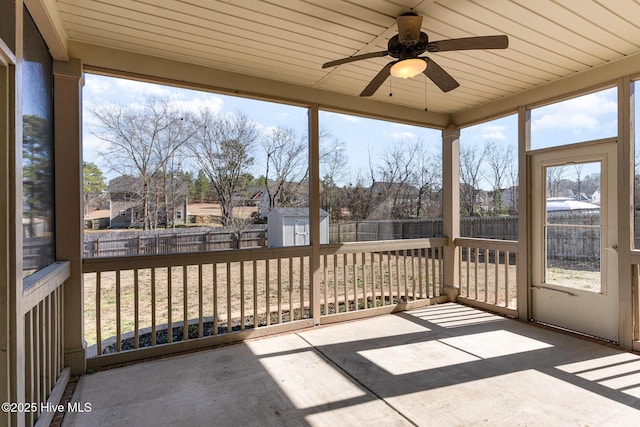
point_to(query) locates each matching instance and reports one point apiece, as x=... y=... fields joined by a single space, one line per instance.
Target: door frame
x=600 y=150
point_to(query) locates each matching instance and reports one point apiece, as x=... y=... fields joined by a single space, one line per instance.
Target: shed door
x=574 y=281
x=301 y=232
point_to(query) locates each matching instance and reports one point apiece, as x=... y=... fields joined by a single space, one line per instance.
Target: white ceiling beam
x=48 y=20
x=582 y=82
x=150 y=68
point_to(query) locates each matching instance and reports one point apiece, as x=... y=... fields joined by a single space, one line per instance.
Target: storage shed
x=290 y=227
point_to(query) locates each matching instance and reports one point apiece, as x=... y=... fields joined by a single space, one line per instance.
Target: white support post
x=451 y=209
x=627 y=304
x=314 y=213
x=524 y=214
x=69 y=196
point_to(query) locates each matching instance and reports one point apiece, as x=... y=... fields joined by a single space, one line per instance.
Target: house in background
x=126 y=204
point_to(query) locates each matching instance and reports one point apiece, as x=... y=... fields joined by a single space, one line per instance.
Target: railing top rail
x=382 y=245
x=505 y=245
x=93 y=265
x=42 y=283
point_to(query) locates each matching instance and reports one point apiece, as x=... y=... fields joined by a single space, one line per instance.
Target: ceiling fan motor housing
x=409 y=26
x=403 y=51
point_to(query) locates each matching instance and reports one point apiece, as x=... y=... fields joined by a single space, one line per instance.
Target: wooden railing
x=43 y=307
x=367 y=275
x=488 y=272
x=160 y=304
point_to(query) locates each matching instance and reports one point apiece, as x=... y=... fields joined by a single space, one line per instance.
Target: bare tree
x=332 y=171
x=471 y=160
x=222 y=147
x=499 y=159
x=428 y=180
x=555 y=175
x=393 y=189
x=286 y=165
x=141 y=142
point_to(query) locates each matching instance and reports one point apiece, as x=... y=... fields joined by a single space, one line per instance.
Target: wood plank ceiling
x=289 y=40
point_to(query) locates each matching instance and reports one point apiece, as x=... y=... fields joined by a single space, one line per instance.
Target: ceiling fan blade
x=468 y=43
x=355 y=58
x=377 y=81
x=439 y=76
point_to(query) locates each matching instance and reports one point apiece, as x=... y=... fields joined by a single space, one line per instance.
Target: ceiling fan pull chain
x=390 y=92
x=425 y=93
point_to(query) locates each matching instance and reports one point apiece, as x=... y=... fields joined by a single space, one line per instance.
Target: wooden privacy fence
x=370 y=230
x=169 y=242
x=150 y=304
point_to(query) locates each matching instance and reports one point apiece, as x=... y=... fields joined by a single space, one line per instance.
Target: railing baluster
x=475 y=273
x=413 y=274
x=363 y=271
x=153 y=307
x=136 y=309
x=268 y=292
x=214 y=273
x=242 y=296
x=325 y=304
x=354 y=276
x=390 y=281
x=36 y=354
x=506 y=278
x=255 y=294
x=486 y=274
x=496 y=261
x=336 y=305
x=118 y=313
x=200 y=298
x=291 y=311
x=185 y=303
x=406 y=276
x=279 y=290
x=373 y=279
x=98 y=314
x=397 y=278
x=169 y=306
x=420 y=278
x=48 y=342
x=344 y=279
x=302 y=287
x=228 y=278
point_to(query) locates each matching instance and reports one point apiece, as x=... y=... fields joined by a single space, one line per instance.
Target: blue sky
x=585 y=118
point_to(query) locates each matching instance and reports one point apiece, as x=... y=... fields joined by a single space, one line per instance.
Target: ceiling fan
x=408 y=44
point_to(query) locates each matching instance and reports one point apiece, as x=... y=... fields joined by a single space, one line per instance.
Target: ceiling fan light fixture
x=408 y=68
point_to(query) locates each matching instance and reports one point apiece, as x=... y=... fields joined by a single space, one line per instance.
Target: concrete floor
x=443 y=365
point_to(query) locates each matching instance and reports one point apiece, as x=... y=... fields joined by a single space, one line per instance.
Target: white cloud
x=403 y=135
x=199 y=103
x=493 y=132
x=132 y=87
x=349 y=118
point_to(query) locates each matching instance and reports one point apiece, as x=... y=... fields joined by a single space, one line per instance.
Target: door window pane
x=573 y=227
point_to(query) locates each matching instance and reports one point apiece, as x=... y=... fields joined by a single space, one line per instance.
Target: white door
x=301 y=232
x=574 y=243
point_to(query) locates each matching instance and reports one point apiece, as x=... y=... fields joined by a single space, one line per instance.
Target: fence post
x=97 y=247
x=138 y=247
